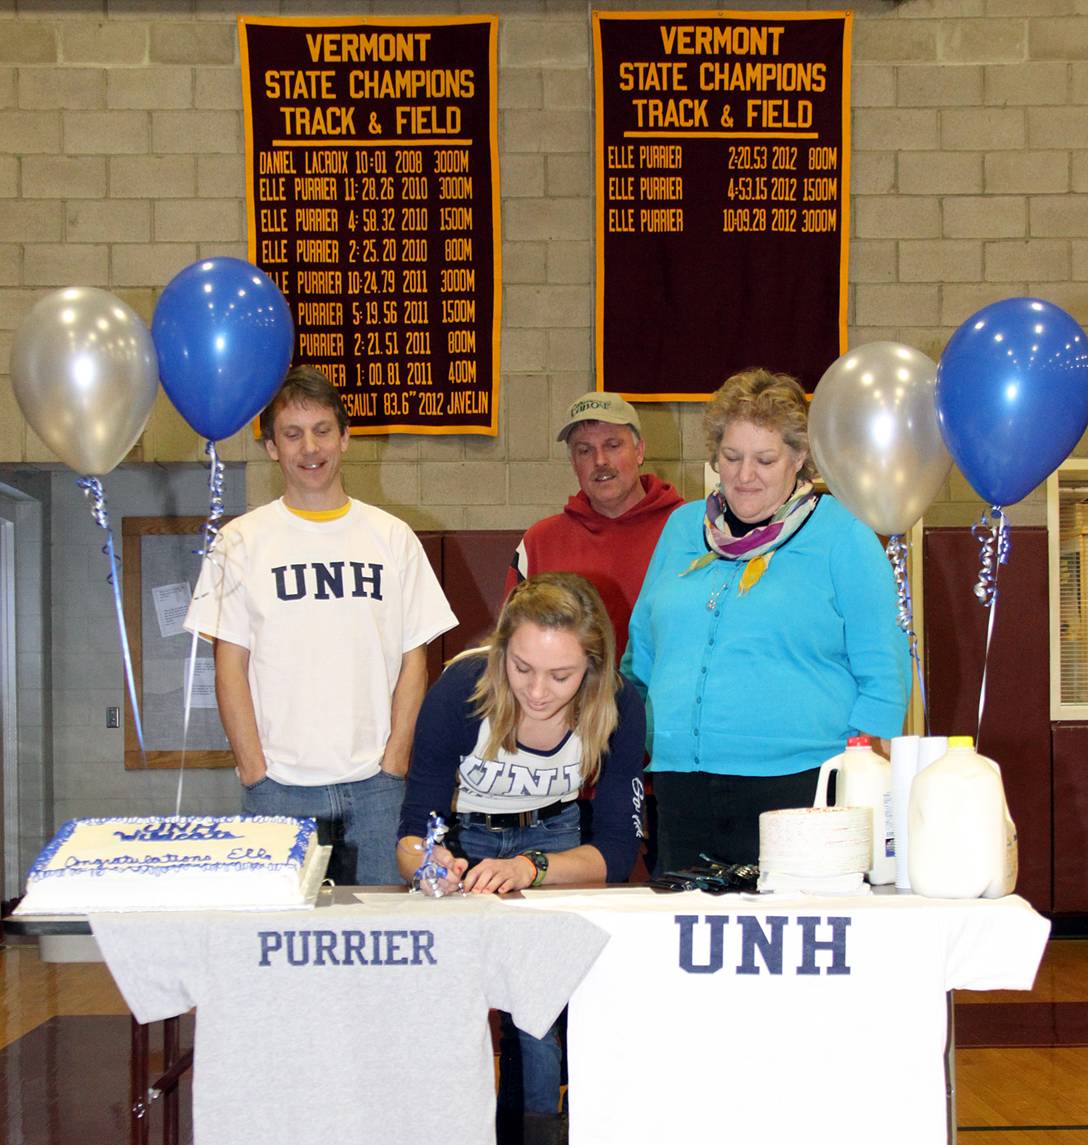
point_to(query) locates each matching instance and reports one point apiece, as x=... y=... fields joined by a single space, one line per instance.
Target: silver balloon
x=85 y=374
x=874 y=434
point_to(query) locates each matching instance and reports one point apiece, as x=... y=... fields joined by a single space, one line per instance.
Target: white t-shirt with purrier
x=363 y=1023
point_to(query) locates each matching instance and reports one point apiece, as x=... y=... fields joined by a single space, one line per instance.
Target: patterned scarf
x=757 y=546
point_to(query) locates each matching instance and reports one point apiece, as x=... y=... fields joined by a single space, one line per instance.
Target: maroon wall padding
x=1070 y=816
x=1016 y=723
x=471 y=567
x=475 y=573
x=432 y=546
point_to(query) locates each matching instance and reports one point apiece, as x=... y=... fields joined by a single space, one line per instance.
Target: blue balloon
x=224 y=336
x=1012 y=395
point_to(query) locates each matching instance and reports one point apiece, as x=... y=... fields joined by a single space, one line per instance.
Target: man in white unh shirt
x=320 y=608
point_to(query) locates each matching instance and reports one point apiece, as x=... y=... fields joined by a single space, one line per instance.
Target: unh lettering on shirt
x=809 y=941
x=346 y=948
x=503 y=777
x=328 y=581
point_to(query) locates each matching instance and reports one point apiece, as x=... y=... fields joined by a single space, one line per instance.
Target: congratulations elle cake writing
x=174 y=863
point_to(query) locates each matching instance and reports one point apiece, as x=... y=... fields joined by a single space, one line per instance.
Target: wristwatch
x=539 y=860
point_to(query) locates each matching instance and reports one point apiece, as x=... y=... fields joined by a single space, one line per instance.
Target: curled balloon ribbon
x=211 y=535
x=994 y=542
x=897 y=549
x=215 y=491
x=92 y=488
x=429 y=871
x=992 y=533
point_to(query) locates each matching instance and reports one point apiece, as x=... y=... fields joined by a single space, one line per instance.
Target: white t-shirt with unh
x=326 y=610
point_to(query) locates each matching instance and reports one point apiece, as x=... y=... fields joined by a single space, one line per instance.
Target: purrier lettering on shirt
x=346 y=947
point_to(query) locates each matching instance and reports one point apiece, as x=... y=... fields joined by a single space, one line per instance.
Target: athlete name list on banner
x=722 y=151
x=372 y=187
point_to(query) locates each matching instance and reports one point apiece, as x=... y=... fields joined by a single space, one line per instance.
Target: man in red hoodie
x=608 y=530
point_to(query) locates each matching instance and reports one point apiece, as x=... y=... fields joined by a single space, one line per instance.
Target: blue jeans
x=530 y=1069
x=358 y=819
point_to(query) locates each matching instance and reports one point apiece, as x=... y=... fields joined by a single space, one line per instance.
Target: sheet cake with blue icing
x=175 y=863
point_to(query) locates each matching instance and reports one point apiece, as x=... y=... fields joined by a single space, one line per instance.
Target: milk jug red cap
x=859 y=741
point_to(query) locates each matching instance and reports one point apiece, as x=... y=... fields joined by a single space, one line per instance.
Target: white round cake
x=816 y=841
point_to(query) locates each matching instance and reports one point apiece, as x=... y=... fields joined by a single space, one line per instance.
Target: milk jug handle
x=826 y=768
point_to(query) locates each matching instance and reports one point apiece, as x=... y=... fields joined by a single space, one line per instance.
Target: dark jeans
x=719 y=814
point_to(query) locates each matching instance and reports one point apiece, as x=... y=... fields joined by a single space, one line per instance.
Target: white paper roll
x=931 y=748
x=905 y=752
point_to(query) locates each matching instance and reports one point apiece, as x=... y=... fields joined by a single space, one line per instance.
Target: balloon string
x=211 y=535
x=92 y=487
x=190 y=672
x=996 y=545
x=897 y=549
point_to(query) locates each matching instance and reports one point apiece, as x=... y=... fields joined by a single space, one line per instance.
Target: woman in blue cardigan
x=765 y=633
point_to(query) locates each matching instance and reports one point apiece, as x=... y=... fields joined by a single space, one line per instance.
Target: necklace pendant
x=712 y=599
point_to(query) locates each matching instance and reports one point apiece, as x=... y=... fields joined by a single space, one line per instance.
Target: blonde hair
x=569 y=603
x=772 y=401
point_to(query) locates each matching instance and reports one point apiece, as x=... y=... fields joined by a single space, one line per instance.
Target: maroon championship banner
x=723 y=177
x=373 y=199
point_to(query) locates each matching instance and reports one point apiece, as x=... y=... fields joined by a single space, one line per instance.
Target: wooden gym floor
x=1021 y=1062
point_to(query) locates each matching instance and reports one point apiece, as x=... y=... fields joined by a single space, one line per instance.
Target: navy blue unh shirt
x=447 y=753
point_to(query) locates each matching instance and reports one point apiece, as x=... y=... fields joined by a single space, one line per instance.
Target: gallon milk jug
x=864 y=779
x=962 y=839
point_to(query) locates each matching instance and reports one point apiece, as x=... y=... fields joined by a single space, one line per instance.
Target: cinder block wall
x=121 y=162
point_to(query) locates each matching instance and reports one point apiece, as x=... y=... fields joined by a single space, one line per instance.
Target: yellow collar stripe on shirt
x=321 y=514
